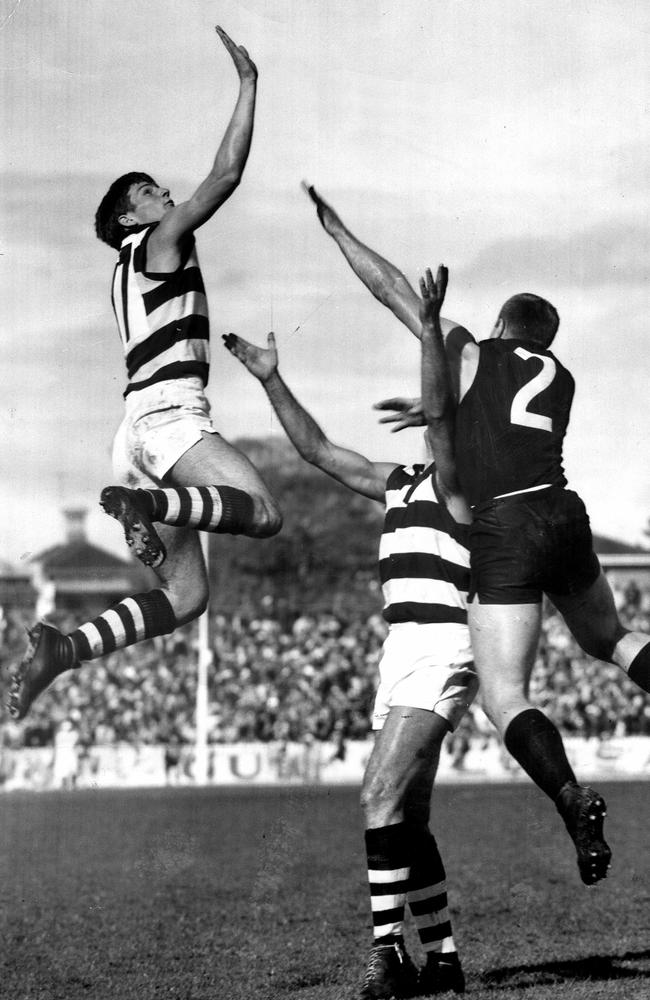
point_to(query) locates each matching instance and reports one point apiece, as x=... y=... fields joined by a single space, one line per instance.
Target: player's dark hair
x=529 y=317
x=116 y=202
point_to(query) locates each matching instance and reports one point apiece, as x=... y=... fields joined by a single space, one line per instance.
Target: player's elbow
x=315 y=452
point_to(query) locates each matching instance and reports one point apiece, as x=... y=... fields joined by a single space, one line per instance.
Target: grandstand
x=294 y=646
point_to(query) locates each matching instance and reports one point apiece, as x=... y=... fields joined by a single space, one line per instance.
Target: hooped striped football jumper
x=424 y=571
x=163 y=324
x=162 y=318
x=423 y=553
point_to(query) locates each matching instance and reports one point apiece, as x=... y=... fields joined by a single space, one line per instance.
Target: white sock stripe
x=384 y=877
x=173 y=505
x=423 y=920
x=379 y=903
x=136 y=614
x=217 y=506
x=443 y=947
x=383 y=929
x=197 y=509
x=114 y=622
x=94 y=638
x=429 y=892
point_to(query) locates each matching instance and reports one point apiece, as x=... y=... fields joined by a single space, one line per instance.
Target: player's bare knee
x=187 y=603
x=381 y=801
x=267 y=517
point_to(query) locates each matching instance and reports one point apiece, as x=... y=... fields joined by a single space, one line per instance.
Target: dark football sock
x=536 y=744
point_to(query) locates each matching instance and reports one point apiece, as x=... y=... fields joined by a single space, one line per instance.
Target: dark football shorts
x=525 y=546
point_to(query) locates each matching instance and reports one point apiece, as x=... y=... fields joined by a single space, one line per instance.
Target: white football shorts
x=429 y=667
x=161 y=423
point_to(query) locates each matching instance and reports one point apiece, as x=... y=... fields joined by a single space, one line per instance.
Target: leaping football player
x=530 y=535
x=426 y=675
x=178 y=475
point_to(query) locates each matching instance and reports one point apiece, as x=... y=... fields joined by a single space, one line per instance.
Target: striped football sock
x=427 y=895
x=132 y=620
x=388 y=848
x=221 y=509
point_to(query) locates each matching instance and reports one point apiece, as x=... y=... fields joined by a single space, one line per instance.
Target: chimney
x=75 y=523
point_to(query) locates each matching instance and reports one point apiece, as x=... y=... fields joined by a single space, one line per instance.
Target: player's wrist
x=269 y=377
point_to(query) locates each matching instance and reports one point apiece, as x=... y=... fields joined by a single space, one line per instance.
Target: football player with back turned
x=530 y=535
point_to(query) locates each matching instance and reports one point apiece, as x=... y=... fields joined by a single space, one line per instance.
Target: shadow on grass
x=631 y=965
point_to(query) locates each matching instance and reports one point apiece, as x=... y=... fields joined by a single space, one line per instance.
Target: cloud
x=613 y=253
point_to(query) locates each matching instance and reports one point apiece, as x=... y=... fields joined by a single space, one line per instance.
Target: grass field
x=212 y=894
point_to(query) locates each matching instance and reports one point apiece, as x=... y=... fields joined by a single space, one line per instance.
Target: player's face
x=149 y=203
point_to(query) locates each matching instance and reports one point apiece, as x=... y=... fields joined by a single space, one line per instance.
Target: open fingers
x=441 y=280
x=395 y=403
x=233 y=343
x=435 y=289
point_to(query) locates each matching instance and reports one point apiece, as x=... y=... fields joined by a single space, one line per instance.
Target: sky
x=506 y=139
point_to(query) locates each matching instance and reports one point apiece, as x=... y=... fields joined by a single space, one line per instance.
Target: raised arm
x=348 y=467
x=383 y=279
x=437 y=398
x=229 y=162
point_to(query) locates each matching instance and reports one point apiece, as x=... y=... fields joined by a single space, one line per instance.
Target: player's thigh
x=405 y=754
x=213 y=461
x=183 y=574
x=592 y=617
x=504 y=640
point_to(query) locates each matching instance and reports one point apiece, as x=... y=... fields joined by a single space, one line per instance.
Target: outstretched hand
x=326 y=214
x=433 y=295
x=261 y=362
x=406 y=413
x=244 y=65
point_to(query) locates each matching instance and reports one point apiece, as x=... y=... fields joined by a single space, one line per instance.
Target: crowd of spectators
x=295 y=678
